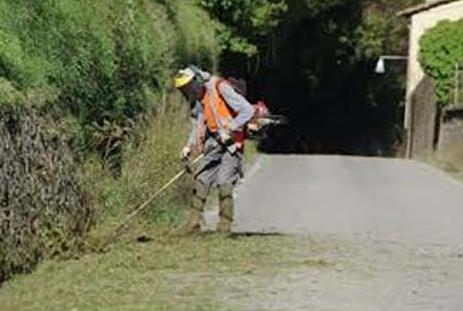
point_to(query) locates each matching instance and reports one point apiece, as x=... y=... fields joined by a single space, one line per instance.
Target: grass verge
x=451 y=161
x=166 y=273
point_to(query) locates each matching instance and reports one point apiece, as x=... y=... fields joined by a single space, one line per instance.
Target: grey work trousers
x=218 y=166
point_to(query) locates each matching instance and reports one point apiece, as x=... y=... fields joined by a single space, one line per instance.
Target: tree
x=324 y=72
x=245 y=22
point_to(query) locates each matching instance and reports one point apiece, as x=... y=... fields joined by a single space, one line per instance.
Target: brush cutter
x=117 y=230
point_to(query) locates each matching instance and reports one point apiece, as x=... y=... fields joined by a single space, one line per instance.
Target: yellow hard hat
x=184 y=77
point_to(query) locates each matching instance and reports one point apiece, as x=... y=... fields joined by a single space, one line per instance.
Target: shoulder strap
x=218 y=83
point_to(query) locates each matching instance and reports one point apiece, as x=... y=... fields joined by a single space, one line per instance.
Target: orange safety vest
x=217 y=114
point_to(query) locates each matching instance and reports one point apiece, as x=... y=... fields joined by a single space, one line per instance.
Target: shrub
x=109 y=59
x=43 y=208
x=198 y=42
x=442 y=49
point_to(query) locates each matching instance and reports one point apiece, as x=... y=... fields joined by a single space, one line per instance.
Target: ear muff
x=198 y=78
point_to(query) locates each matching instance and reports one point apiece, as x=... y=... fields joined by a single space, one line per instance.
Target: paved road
x=393 y=230
x=343 y=195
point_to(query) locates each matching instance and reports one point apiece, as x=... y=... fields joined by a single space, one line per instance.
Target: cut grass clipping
x=165 y=274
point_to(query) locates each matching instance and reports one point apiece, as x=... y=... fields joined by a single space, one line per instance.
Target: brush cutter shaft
x=145 y=204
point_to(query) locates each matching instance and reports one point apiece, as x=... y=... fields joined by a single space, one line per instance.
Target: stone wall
x=451 y=129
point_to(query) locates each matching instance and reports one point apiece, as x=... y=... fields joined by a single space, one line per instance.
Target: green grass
x=167 y=273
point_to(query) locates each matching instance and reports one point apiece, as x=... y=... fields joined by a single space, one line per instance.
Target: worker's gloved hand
x=225 y=138
x=186 y=152
x=253 y=127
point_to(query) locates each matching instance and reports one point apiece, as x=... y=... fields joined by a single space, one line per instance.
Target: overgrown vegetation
x=84 y=83
x=109 y=61
x=441 y=54
x=43 y=209
x=146 y=168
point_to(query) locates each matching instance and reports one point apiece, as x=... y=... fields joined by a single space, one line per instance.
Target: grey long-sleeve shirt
x=235 y=101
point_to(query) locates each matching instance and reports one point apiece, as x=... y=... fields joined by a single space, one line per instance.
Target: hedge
x=441 y=49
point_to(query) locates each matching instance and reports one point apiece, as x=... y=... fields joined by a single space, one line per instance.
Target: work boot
x=225 y=209
x=193 y=223
x=195 y=220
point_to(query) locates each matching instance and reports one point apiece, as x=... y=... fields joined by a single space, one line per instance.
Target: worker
x=219 y=116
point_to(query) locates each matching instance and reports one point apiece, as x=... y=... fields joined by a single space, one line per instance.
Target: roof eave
x=422 y=7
